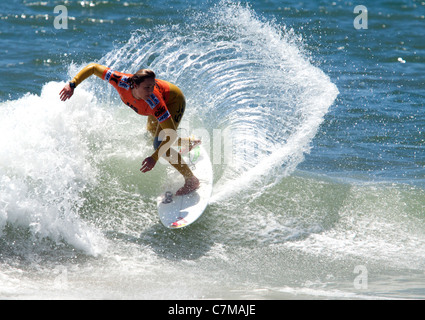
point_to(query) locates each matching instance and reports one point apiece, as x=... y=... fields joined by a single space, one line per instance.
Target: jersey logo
x=123 y=83
x=115 y=78
x=150 y=103
x=164 y=117
x=108 y=75
x=160 y=111
x=153 y=101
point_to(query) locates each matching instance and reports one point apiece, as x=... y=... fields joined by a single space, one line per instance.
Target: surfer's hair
x=140 y=76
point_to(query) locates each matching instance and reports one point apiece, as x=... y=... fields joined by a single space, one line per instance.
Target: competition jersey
x=154 y=106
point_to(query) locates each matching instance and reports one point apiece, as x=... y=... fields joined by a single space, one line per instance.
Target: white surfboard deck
x=180 y=211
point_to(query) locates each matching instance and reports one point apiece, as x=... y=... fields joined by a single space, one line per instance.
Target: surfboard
x=181 y=211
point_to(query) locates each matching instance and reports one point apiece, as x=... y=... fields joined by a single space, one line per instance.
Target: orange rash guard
x=155 y=106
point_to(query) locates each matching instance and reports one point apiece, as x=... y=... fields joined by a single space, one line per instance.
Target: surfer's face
x=145 y=89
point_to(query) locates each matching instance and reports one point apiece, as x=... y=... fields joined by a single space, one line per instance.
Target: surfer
x=163 y=103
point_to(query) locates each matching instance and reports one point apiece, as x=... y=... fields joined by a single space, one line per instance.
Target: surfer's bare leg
x=174 y=158
x=191 y=183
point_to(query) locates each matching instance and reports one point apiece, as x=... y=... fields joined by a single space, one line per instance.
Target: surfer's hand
x=66 y=92
x=148 y=164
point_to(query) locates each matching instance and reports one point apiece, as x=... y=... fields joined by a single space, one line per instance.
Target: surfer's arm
x=92 y=68
x=87 y=71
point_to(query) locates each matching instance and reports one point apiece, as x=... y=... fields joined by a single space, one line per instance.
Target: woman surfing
x=161 y=101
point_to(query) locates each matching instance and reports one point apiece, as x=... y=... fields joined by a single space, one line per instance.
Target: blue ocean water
x=323 y=195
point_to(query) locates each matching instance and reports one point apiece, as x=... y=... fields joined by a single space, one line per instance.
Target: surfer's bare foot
x=191 y=184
